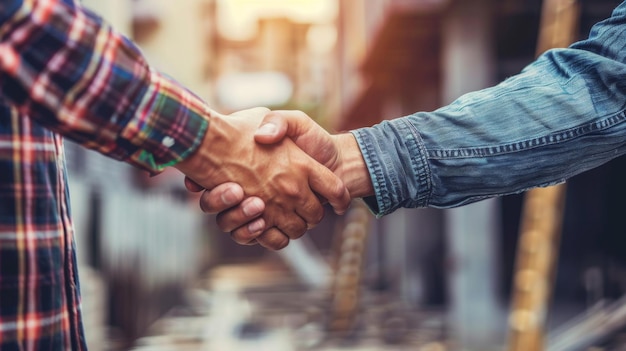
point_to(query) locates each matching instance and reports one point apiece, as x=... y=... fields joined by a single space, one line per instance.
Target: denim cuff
x=395 y=157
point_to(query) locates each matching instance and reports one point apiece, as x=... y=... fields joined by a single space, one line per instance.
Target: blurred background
x=157 y=275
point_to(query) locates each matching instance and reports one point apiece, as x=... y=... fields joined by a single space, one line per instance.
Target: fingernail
x=267 y=129
x=256 y=226
x=229 y=197
x=254 y=207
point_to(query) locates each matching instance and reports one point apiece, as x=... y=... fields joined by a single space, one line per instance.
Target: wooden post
x=542 y=215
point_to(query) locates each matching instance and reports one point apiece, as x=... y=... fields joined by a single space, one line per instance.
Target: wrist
x=200 y=162
x=352 y=169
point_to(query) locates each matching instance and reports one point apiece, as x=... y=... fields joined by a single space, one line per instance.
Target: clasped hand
x=282 y=184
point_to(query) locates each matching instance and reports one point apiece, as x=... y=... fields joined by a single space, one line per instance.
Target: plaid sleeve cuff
x=168 y=126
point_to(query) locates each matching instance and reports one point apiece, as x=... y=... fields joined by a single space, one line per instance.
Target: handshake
x=268 y=173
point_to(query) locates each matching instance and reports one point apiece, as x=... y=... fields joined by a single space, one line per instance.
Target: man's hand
x=281 y=175
x=340 y=153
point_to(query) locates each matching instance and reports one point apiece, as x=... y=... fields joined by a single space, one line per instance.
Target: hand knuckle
x=318 y=219
x=281 y=244
x=338 y=190
x=291 y=189
x=315 y=212
x=296 y=231
x=275 y=241
x=241 y=237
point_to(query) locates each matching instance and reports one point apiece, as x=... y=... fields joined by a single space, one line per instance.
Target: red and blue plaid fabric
x=65 y=72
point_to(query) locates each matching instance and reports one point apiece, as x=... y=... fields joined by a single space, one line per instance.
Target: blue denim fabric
x=562 y=115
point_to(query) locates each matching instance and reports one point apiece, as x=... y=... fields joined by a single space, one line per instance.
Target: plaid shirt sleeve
x=64 y=67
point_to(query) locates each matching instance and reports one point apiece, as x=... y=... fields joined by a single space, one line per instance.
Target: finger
x=273 y=128
x=312 y=211
x=273 y=239
x=287 y=221
x=192 y=186
x=330 y=187
x=293 y=226
x=248 y=234
x=221 y=198
x=303 y=205
x=304 y=131
x=238 y=216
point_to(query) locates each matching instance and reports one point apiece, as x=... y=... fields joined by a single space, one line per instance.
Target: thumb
x=272 y=129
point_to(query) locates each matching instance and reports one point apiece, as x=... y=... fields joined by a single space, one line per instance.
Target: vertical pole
x=472 y=230
x=346 y=286
x=542 y=215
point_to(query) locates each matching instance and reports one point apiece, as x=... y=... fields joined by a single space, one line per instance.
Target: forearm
x=562 y=115
x=64 y=67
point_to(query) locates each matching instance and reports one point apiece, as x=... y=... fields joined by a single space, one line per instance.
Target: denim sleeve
x=562 y=115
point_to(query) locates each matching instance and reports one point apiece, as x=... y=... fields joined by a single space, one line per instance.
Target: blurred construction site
x=157 y=273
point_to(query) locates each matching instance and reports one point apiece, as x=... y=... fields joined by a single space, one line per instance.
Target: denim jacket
x=562 y=115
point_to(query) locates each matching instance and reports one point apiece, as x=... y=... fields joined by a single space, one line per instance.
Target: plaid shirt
x=63 y=72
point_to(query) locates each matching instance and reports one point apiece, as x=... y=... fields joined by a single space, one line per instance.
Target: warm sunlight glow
x=237 y=18
x=322 y=38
